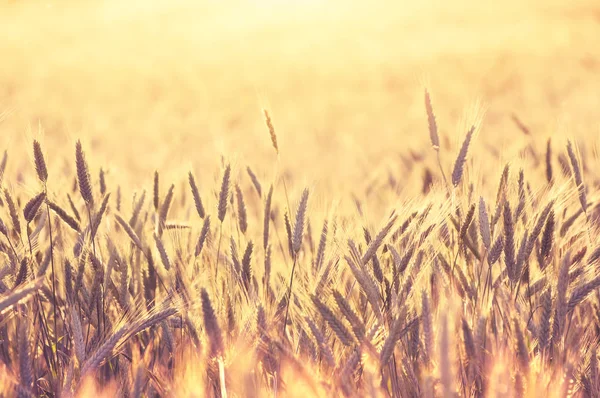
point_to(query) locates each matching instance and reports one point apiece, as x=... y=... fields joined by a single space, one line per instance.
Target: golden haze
x=471 y=271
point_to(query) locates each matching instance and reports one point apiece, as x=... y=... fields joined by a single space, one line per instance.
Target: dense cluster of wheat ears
x=455 y=295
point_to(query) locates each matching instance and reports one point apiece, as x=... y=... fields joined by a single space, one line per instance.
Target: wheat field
x=299 y=198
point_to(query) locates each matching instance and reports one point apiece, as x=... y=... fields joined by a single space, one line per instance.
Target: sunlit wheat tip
x=271 y=130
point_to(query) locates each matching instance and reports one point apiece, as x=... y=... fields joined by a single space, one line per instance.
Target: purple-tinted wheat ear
x=255 y=181
x=40 y=164
x=433 y=129
x=242 y=215
x=83 y=175
x=459 y=164
x=211 y=325
x=224 y=194
x=196 y=195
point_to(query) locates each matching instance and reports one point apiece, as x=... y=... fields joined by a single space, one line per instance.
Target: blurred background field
x=170 y=85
